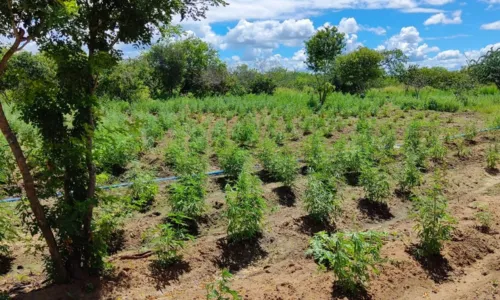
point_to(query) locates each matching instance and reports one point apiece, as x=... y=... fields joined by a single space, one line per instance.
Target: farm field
x=354 y=165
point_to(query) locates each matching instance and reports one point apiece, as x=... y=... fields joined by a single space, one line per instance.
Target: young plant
x=434 y=224
x=485 y=218
x=410 y=175
x=436 y=149
x=220 y=289
x=350 y=256
x=470 y=132
x=281 y=165
x=320 y=198
x=375 y=184
x=462 y=150
x=142 y=191
x=166 y=241
x=315 y=153
x=8 y=232
x=232 y=160
x=492 y=157
x=246 y=207
x=245 y=132
x=187 y=196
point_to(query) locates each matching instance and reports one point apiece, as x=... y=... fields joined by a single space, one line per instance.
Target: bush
x=187 y=196
x=7 y=232
x=410 y=175
x=492 y=157
x=320 y=198
x=143 y=191
x=281 y=165
x=232 y=159
x=184 y=161
x=349 y=255
x=434 y=224
x=166 y=242
x=263 y=85
x=375 y=184
x=220 y=290
x=246 y=207
x=245 y=132
x=315 y=153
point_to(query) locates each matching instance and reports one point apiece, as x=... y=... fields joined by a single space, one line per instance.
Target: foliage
x=187 y=196
x=263 y=85
x=281 y=165
x=232 y=159
x=220 y=289
x=492 y=157
x=487 y=67
x=484 y=217
x=357 y=70
x=410 y=175
x=245 y=132
x=350 y=256
x=143 y=191
x=322 y=50
x=320 y=198
x=375 y=184
x=245 y=207
x=8 y=232
x=166 y=241
x=433 y=223
x=183 y=160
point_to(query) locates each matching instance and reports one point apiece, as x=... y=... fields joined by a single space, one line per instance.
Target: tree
x=414 y=77
x=358 y=69
x=81 y=44
x=24 y=21
x=322 y=50
x=168 y=62
x=394 y=63
x=487 y=67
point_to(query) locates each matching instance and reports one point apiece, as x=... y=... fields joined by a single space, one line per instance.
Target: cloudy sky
x=272 y=32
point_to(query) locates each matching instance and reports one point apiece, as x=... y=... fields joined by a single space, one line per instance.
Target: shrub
x=281 y=165
x=315 y=153
x=410 y=175
x=375 y=184
x=434 y=224
x=220 y=289
x=232 y=159
x=245 y=132
x=7 y=231
x=492 y=157
x=470 y=132
x=263 y=85
x=187 y=196
x=143 y=191
x=246 y=207
x=320 y=197
x=183 y=161
x=349 y=255
x=166 y=242
x=436 y=149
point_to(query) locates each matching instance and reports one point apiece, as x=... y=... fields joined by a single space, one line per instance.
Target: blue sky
x=267 y=33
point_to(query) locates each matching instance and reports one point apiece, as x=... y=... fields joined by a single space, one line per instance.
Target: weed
x=375 y=184
x=320 y=197
x=187 y=196
x=220 y=289
x=492 y=157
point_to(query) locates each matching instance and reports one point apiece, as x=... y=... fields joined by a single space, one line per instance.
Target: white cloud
x=448 y=54
x=348 y=25
x=441 y=18
x=422 y=10
x=269 y=34
x=491 y=26
x=438 y=2
x=408 y=40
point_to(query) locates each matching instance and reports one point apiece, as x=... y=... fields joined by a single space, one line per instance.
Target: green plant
x=187 y=195
x=245 y=132
x=166 y=241
x=433 y=223
x=8 y=232
x=315 y=153
x=436 y=149
x=492 y=157
x=232 y=159
x=245 y=207
x=350 y=256
x=143 y=191
x=183 y=160
x=320 y=199
x=470 y=132
x=410 y=175
x=375 y=184
x=220 y=289
x=281 y=165
x=484 y=217
x=462 y=150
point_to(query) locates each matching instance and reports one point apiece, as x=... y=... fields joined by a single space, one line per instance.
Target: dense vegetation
x=76 y=120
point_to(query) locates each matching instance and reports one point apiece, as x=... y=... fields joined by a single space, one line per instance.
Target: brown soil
x=275 y=266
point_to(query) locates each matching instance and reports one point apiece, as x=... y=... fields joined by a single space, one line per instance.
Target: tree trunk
x=29 y=184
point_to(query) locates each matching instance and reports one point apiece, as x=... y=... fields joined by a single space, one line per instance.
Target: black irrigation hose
x=214 y=173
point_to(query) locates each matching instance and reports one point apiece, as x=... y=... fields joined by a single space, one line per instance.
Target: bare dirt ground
x=275 y=266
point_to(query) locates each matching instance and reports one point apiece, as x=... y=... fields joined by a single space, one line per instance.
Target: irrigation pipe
x=212 y=173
